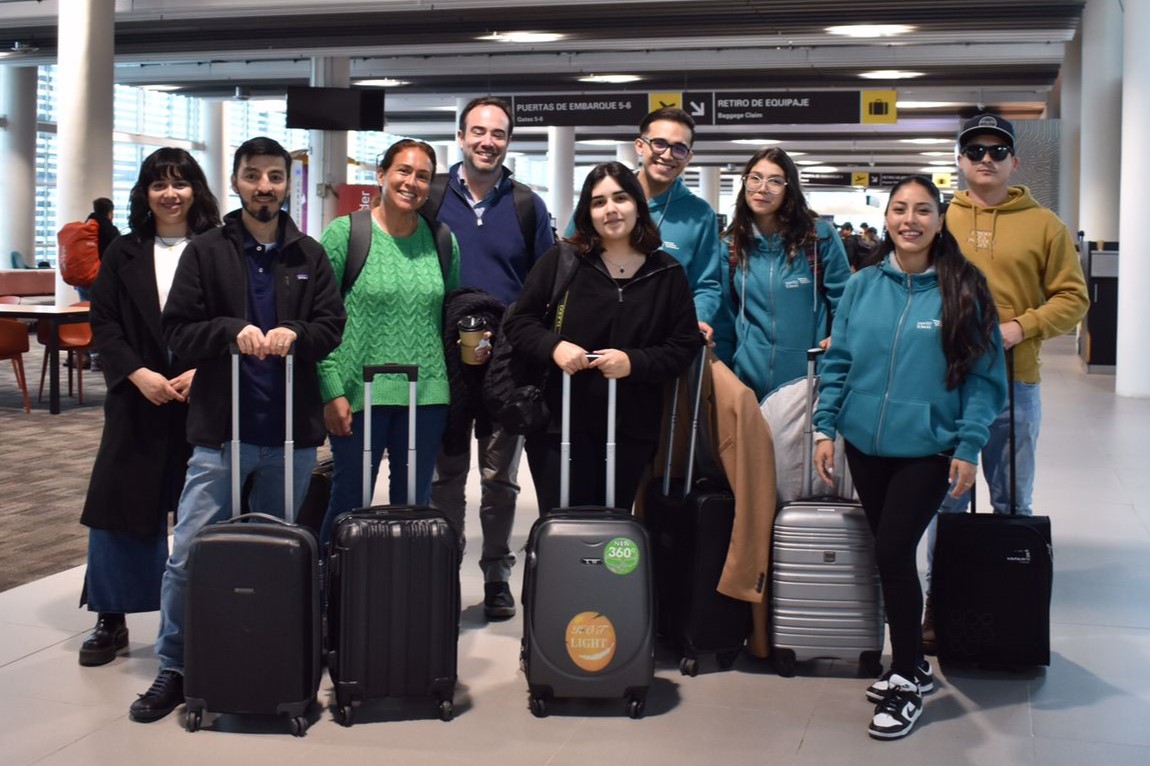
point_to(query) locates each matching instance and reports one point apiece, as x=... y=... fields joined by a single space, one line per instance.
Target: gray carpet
x=45 y=462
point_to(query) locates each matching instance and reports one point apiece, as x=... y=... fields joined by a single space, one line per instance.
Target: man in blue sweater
x=502 y=228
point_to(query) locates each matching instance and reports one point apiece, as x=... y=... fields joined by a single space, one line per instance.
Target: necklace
x=172 y=243
x=622 y=267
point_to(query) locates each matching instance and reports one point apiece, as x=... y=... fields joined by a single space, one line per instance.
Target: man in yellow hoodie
x=1031 y=264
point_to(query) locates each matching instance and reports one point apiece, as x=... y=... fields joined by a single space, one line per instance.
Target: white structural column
x=84 y=113
x=1070 y=112
x=18 y=163
x=217 y=159
x=561 y=174
x=327 y=160
x=627 y=154
x=1133 y=375
x=710 y=185
x=1101 y=118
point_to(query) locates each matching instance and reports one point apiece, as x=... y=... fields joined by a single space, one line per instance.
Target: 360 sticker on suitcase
x=621 y=556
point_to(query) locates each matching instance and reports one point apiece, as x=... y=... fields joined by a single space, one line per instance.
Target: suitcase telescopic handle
x=813 y=355
x=411 y=371
x=1010 y=443
x=565 y=443
x=289 y=428
x=693 y=444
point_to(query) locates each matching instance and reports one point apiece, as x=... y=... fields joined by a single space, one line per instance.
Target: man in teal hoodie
x=687 y=224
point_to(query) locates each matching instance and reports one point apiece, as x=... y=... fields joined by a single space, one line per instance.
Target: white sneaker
x=923 y=678
x=896 y=714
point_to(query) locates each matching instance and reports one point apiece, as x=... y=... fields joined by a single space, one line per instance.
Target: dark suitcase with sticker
x=991 y=582
x=392 y=593
x=588 y=627
x=252 y=638
x=691 y=534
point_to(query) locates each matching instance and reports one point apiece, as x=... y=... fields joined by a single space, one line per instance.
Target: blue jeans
x=207 y=499
x=996 y=461
x=388 y=432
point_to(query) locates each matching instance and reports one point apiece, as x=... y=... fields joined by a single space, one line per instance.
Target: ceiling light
x=806 y=162
x=929 y=104
x=820 y=169
x=890 y=74
x=943 y=163
x=756 y=141
x=599 y=142
x=929 y=170
x=161 y=87
x=19 y=49
x=937 y=154
x=870 y=30
x=927 y=140
x=522 y=37
x=611 y=79
x=384 y=82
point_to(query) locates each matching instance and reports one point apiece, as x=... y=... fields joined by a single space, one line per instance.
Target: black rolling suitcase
x=826 y=598
x=991 y=582
x=690 y=526
x=588 y=627
x=252 y=638
x=392 y=591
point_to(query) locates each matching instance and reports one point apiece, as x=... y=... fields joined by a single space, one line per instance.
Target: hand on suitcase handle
x=825 y=461
x=612 y=362
x=252 y=341
x=569 y=357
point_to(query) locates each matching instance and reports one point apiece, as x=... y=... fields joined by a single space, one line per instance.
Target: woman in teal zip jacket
x=914 y=378
x=775 y=306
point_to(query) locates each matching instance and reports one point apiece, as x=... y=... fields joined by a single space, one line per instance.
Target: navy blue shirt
x=262 y=392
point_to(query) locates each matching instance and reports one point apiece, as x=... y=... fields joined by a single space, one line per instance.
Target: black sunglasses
x=975 y=152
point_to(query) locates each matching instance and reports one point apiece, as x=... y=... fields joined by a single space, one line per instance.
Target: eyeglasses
x=975 y=152
x=756 y=182
x=660 y=145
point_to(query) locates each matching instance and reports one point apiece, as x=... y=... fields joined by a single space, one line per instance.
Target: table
x=55 y=316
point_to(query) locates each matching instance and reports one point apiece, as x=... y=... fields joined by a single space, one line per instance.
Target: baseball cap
x=986 y=123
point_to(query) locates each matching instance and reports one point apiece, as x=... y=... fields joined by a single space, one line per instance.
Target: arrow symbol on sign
x=666 y=104
x=698 y=109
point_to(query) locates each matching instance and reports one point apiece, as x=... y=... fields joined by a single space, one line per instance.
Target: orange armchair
x=13 y=345
x=74 y=338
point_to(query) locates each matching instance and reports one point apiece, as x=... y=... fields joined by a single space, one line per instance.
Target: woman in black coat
x=629 y=304
x=139 y=469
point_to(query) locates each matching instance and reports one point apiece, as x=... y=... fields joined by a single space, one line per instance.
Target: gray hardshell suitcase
x=588 y=597
x=826 y=598
x=252 y=632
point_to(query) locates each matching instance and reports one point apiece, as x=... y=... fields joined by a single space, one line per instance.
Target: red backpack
x=79 y=252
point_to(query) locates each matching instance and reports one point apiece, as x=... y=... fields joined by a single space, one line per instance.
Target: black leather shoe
x=498 y=603
x=108 y=637
x=165 y=695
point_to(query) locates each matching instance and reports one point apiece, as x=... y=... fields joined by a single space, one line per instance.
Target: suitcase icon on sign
x=878 y=108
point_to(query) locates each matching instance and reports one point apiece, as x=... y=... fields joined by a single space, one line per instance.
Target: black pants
x=588 y=469
x=900 y=496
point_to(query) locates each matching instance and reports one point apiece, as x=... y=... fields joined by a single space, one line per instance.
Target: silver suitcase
x=826 y=599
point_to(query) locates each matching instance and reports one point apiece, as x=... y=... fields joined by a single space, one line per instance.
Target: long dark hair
x=796 y=219
x=645 y=236
x=170 y=162
x=969 y=315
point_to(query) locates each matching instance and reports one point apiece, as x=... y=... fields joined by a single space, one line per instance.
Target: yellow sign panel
x=943 y=180
x=860 y=179
x=664 y=101
x=879 y=107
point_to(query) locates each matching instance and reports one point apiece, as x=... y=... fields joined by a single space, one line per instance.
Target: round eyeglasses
x=755 y=182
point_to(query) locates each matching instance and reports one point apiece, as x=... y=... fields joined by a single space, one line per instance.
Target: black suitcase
x=392 y=592
x=991 y=582
x=691 y=534
x=588 y=605
x=252 y=638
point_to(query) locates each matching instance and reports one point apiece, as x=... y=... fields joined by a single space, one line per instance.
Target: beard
x=262 y=211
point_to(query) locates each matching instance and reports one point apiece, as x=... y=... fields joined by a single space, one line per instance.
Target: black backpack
x=521 y=196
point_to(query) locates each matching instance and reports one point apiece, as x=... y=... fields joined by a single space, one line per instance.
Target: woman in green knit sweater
x=394 y=316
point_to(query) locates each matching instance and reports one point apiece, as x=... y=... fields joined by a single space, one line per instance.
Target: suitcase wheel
x=446 y=710
x=689 y=666
x=784 y=662
x=195 y=720
x=538 y=707
x=636 y=707
x=299 y=726
x=343 y=714
x=871 y=664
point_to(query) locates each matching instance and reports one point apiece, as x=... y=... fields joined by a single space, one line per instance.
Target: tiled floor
x=1091 y=706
